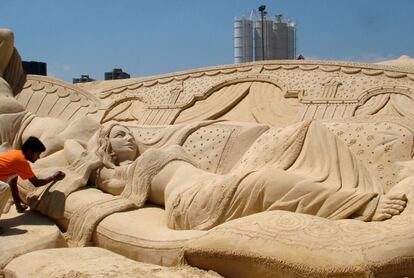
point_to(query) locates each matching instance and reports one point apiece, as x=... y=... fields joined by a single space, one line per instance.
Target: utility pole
x=262 y=10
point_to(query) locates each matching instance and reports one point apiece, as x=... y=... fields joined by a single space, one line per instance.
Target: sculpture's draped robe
x=301 y=168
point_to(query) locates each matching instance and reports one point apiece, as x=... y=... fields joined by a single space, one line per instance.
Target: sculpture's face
x=123 y=144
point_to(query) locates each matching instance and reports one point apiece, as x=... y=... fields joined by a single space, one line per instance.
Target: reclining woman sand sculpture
x=301 y=168
x=281 y=171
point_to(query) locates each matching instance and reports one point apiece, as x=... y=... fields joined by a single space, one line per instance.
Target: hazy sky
x=152 y=37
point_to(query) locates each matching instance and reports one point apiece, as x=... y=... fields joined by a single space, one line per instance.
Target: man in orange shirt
x=16 y=163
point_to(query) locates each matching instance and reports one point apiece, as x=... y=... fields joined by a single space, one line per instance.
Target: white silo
x=272 y=43
x=281 y=33
x=276 y=40
x=263 y=37
x=243 y=40
x=270 y=39
x=291 y=40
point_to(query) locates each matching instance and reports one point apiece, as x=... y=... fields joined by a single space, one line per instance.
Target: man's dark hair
x=33 y=144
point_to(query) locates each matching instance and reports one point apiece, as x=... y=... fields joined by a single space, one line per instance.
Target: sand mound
x=404 y=61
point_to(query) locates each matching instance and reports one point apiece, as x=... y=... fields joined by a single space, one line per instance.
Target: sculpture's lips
x=130 y=145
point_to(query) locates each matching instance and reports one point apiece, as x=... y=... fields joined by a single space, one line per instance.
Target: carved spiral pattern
x=359 y=233
x=313 y=232
x=323 y=230
x=285 y=223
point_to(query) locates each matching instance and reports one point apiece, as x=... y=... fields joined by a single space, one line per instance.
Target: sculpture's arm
x=73 y=150
x=109 y=180
x=112 y=181
x=54 y=132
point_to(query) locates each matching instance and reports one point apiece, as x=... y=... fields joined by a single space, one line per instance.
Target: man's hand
x=21 y=207
x=59 y=175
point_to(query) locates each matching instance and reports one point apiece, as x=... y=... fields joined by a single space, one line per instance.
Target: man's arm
x=15 y=195
x=40 y=182
x=36 y=182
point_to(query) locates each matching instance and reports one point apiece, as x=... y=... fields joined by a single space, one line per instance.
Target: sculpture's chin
x=126 y=157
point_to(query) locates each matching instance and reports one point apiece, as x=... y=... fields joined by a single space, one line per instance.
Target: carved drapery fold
x=387 y=104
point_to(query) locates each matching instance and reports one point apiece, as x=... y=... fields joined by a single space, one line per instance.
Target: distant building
x=33 y=67
x=84 y=78
x=116 y=73
x=275 y=40
x=243 y=40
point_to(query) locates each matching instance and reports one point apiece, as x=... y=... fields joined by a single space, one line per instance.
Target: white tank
x=243 y=40
x=268 y=39
x=281 y=34
x=285 y=43
x=277 y=40
x=273 y=45
x=291 y=41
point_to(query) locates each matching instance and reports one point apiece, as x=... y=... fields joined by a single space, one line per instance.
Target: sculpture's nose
x=130 y=138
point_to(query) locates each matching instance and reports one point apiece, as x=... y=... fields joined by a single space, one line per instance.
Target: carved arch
x=125 y=110
x=228 y=98
x=248 y=78
x=385 y=90
x=391 y=100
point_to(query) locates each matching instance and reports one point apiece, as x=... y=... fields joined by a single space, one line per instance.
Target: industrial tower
x=276 y=40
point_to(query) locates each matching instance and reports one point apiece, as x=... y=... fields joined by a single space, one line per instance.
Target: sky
x=153 y=37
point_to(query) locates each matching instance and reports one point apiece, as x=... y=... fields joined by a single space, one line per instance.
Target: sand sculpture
x=276 y=168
